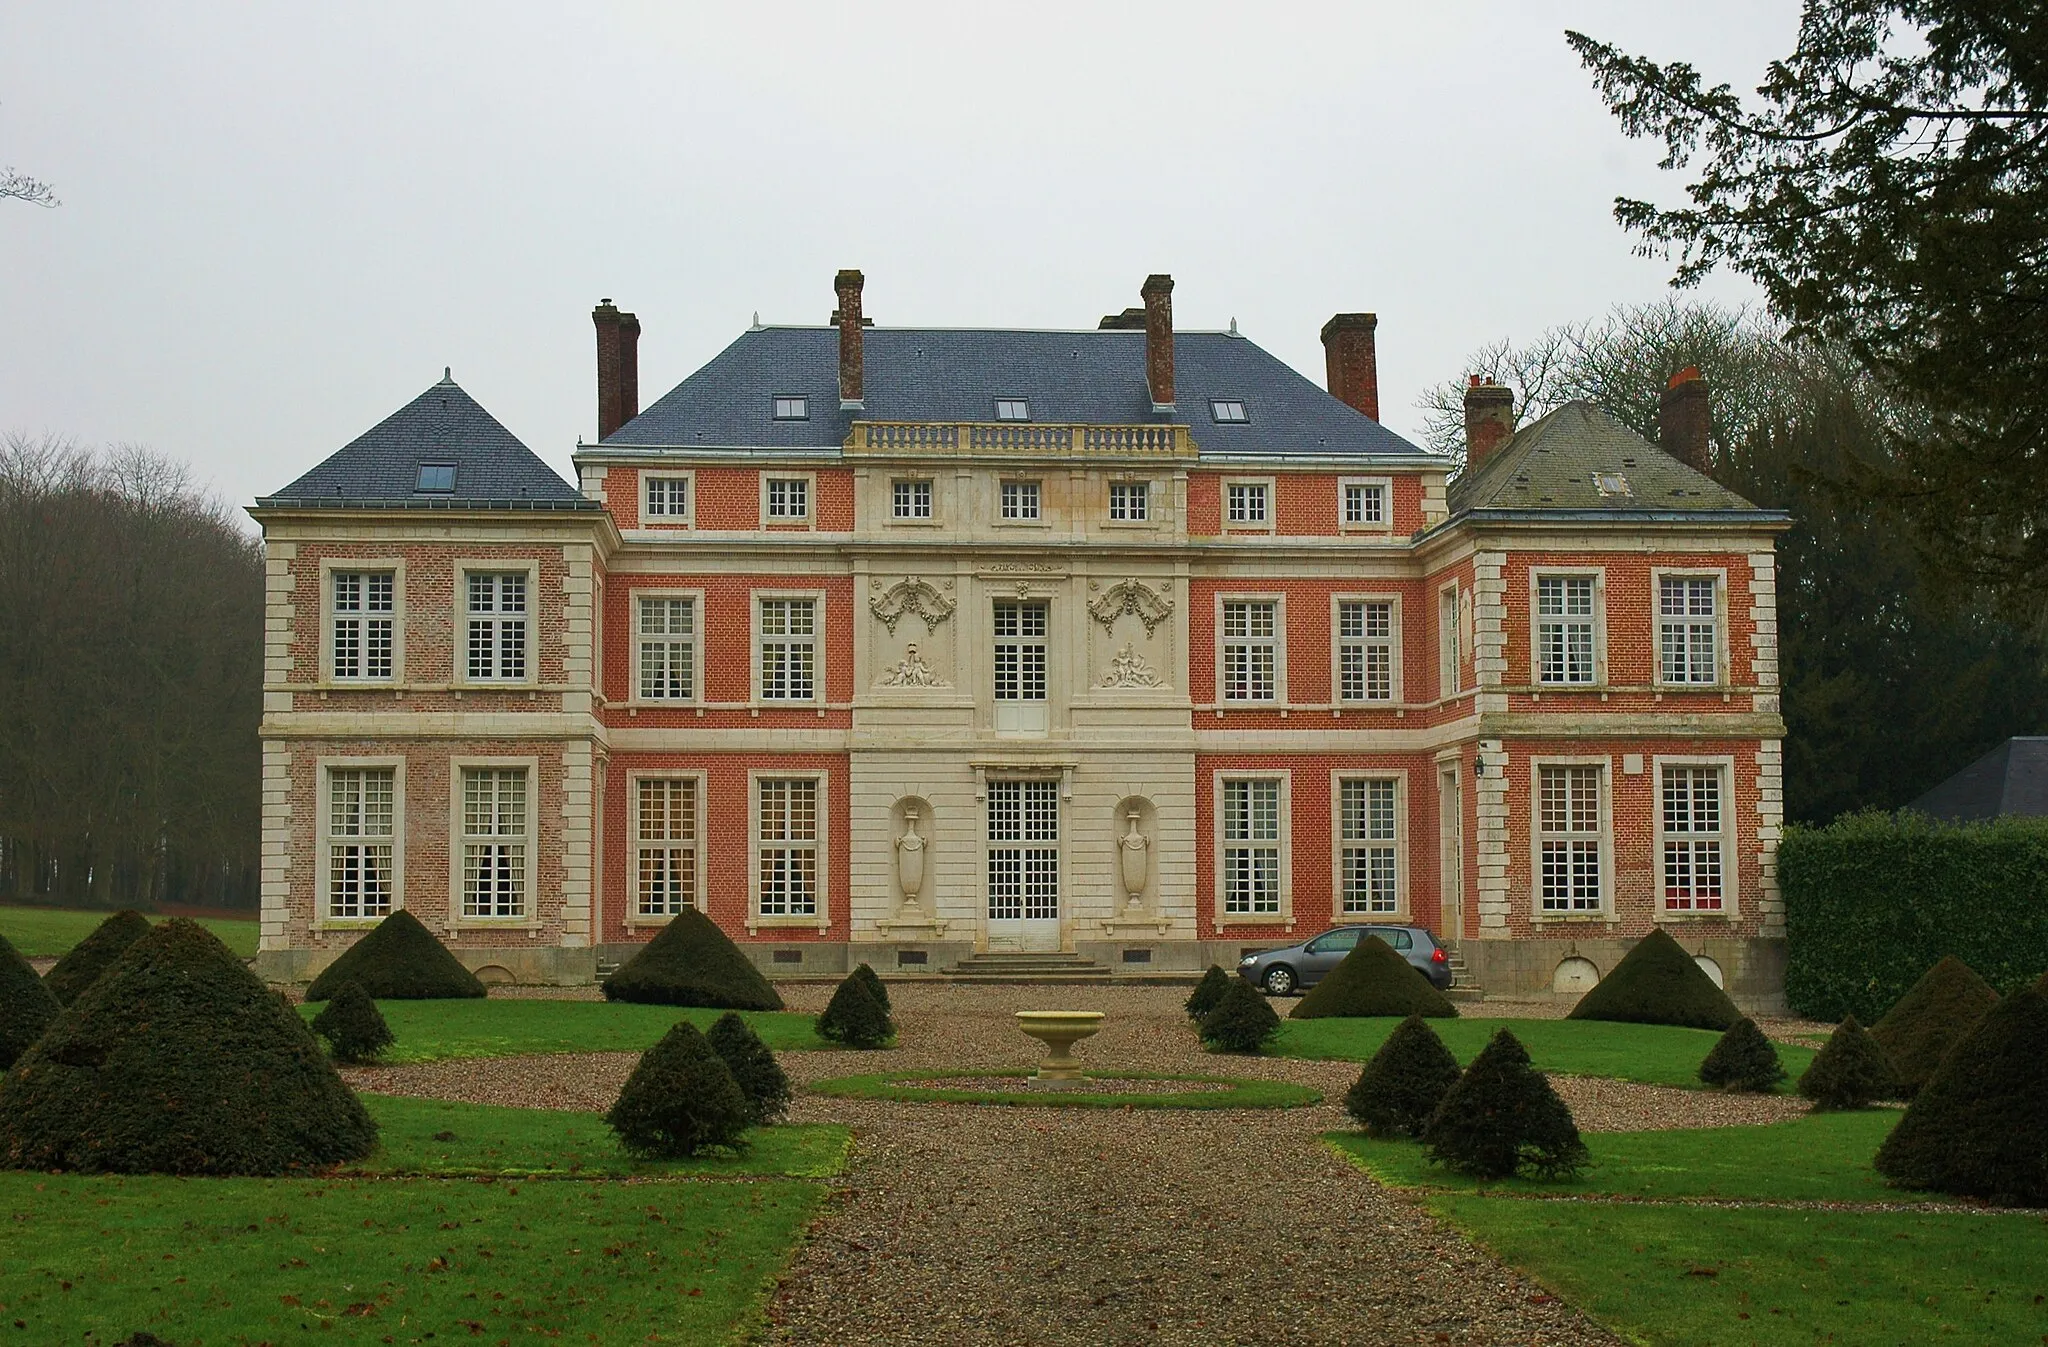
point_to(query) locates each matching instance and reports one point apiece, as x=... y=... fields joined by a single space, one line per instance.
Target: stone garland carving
x=912 y=672
x=1128 y=669
x=1131 y=596
x=909 y=596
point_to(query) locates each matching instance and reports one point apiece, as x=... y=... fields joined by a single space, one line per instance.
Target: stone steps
x=1045 y=968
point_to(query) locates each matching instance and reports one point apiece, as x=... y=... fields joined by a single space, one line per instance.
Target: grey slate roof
x=950 y=374
x=2010 y=779
x=1580 y=458
x=380 y=468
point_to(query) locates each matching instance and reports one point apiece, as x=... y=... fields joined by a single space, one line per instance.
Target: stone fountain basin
x=1059 y=1030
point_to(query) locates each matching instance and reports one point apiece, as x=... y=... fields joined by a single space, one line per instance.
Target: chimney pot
x=852 y=364
x=1685 y=419
x=1352 y=359
x=618 y=367
x=1489 y=420
x=1157 y=292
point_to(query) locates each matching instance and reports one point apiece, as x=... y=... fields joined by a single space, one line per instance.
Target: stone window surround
x=1037 y=520
x=634 y=918
x=464 y=567
x=1386 y=486
x=456 y=920
x=687 y=519
x=1402 y=907
x=1268 y=524
x=1153 y=501
x=1278 y=598
x=1450 y=645
x=1598 y=575
x=1723 y=668
x=1731 y=851
x=931 y=480
x=1605 y=912
x=1285 y=916
x=323 y=837
x=795 y=523
x=818 y=627
x=633 y=697
x=756 y=920
x=324 y=675
x=1396 y=692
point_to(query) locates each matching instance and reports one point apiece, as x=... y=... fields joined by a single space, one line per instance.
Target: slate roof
x=1578 y=459
x=956 y=374
x=2010 y=779
x=380 y=468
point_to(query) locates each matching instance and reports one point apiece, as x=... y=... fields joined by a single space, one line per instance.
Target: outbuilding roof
x=2010 y=779
x=1580 y=458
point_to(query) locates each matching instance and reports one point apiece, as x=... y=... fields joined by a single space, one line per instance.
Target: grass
x=431 y=1031
x=1241 y=1094
x=48 y=932
x=1653 y=1054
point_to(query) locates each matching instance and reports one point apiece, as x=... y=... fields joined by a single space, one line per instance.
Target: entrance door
x=1024 y=865
x=1451 y=830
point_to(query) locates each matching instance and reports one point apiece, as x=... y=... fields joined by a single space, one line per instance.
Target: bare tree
x=18 y=186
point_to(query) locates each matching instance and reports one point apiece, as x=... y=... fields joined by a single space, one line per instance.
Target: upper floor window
x=1251 y=846
x=911 y=499
x=1368 y=845
x=667 y=853
x=364 y=614
x=1695 y=839
x=668 y=498
x=789 y=497
x=1365 y=504
x=789 y=650
x=1569 y=828
x=1228 y=411
x=361 y=835
x=494 y=842
x=1246 y=502
x=788 y=855
x=1365 y=651
x=496 y=616
x=1013 y=409
x=1130 y=502
x=1564 y=629
x=792 y=408
x=668 y=649
x=1450 y=661
x=1688 y=630
x=435 y=478
x=1020 y=500
x=1251 y=651
x=1020 y=629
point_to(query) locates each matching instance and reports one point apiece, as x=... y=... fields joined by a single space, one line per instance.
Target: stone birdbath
x=1059 y=1030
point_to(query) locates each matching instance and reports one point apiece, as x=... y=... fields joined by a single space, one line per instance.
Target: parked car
x=1283 y=972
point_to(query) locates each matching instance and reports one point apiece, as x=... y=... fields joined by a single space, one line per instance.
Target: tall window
x=1568 y=824
x=1688 y=630
x=1564 y=629
x=668 y=649
x=497 y=625
x=789 y=650
x=1365 y=504
x=1450 y=660
x=1020 y=500
x=911 y=499
x=667 y=846
x=789 y=498
x=1251 y=846
x=1023 y=850
x=1365 y=651
x=1366 y=836
x=668 y=497
x=789 y=847
x=494 y=841
x=1694 y=840
x=363 y=613
x=1246 y=502
x=1020 y=651
x=360 y=838
x=1251 y=659
x=1130 y=502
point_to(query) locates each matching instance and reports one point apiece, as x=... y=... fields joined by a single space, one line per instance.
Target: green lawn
x=1653 y=1054
x=47 y=932
x=429 y=1031
x=911 y=1087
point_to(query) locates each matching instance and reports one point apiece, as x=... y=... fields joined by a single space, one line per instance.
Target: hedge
x=1872 y=899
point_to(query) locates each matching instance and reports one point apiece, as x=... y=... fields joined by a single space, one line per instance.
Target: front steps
x=1040 y=968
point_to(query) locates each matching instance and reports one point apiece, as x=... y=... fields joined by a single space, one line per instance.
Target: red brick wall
x=728 y=498
x=1304 y=503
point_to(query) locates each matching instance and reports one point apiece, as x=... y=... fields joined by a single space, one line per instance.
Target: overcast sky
x=280 y=221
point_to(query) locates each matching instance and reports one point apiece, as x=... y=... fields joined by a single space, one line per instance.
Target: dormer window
x=1013 y=409
x=436 y=477
x=792 y=409
x=1228 y=411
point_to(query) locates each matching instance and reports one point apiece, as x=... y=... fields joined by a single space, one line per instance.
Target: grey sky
x=281 y=221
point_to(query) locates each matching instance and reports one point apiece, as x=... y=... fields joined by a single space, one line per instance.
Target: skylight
x=1228 y=411
x=1013 y=409
x=792 y=409
x=436 y=477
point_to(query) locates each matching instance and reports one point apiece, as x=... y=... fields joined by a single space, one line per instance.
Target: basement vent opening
x=910 y=958
x=789 y=956
x=1137 y=956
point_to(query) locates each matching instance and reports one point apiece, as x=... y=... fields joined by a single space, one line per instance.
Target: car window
x=1402 y=940
x=1333 y=942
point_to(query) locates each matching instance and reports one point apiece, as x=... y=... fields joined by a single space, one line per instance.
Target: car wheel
x=1279 y=981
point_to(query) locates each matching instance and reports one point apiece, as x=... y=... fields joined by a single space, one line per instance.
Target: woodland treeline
x=131 y=666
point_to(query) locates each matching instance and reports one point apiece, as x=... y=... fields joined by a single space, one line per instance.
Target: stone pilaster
x=1491 y=803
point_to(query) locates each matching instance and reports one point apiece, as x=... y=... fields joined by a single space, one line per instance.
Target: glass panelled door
x=1024 y=865
x=1451 y=843
x=1020 y=667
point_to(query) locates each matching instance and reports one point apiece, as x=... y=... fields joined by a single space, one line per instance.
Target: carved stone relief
x=912 y=672
x=1128 y=669
x=1135 y=597
x=912 y=595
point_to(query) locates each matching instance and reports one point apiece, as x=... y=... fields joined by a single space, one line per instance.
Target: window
x=1020 y=500
x=435 y=478
x=792 y=408
x=667 y=829
x=789 y=497
x=1365 y=504
x=1367 y=846
x=360 y=837
x=1251 y=645
x=789 y=847
x=494 y=842
x=668 y=498
x=1694 y=841
x=1365 y=651
x=1251 y=846
x=1023 y=850
x=1688 y=630
x=1569 y=829
x=364 y=611
x=1227 y=411
x=1450 y=660
x=668 y=649
x=1247 y=502
x=789 y=650
x=1013 y=409
x=1020 y=630
x=497 y=625
x=1130 y=502
x=1564 y=629
x=911 y=499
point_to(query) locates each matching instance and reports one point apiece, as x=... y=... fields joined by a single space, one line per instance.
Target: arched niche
x=1135 y=815
x=1575 y=976
x=1710 y=968
x=912 y=824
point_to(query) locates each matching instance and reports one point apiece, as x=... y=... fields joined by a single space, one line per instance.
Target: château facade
x=905 y=644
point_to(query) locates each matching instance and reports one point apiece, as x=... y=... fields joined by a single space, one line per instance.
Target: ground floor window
x=494 y=841
x=1367 y=844
x=361 y=837
x=667 y=846
x=1693 y=839
x=788 y=855
x=1569 y=827
x=1251 y=846
x=1023 y=850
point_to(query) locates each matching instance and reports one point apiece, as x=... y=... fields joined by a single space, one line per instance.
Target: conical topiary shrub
x=1934 y=1015
x=94 y=955
x=1241 y=1022
x=1207 y=992
x=1657 y=982
x=1502 y=1116
x=353 y=1026
x=26 y=1005
x=398 y=960
x=692 y=963
x=1979 y=1128
x=1850 y=1072
x=679 y=1100
x=875 y=987
x=179 y=1061
x=1744 y=1061
x=1372 y=980
x=754 y=1068
x=854 y=1018
x=1404 y=1082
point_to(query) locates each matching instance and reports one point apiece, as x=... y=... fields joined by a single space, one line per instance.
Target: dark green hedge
x=1873 y=899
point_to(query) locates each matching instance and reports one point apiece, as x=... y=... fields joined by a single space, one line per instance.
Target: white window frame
x=1719 y=576
x=1605 y=853
x=1026 y=715
x=325 y=841
x=1450 y=644
x=1271 y=497
x=1057 y=845
x=822 y=918
x=1148 y=494
x=1385 y=486
x=1598 y=576
x=634 y=843
x=808 y=519
x=1036 y=519
x=817 y=598
x=634 y=694
x=458 y=843
x=1398 y=844
x=931 y=500
x=329 y=567
x=1219 y=848
x=688 y=517
x=1338 y=641
x=1729 y=836
x=464 y=567
x=1279 y=638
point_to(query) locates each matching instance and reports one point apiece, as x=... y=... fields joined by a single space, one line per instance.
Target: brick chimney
x=618 y=367
x=1353 y=361
x=1158 y=295
x=852 y=368
x=1489 y=420
x=1684 y=419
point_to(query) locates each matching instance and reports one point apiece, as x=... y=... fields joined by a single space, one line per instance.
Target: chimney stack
x=618 y=367
x=1350 y=356
x=1158 y=295
x=1489 y=420
x=1684 y=419
x=852 y=370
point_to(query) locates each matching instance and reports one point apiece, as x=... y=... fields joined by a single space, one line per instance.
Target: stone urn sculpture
x=910 y=860
x=1136 y=855
x=1059 y=1030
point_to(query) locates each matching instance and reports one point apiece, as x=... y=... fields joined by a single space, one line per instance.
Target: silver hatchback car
x=1282 y=972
